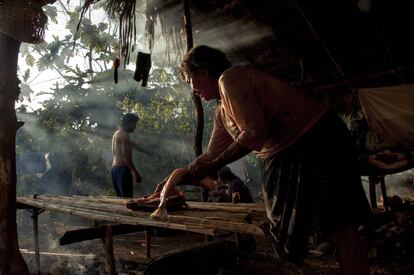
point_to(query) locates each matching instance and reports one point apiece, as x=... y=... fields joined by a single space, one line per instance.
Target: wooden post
x=80 y=235
x=109 y=251
x=148 y=242
x=11 y=260
x=208 y=238
x=372 y=191
x=384 y=192
x=198 y=139
x=237 y=240
x=35 y=215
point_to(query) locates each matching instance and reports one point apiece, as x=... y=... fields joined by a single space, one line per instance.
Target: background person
x=123 y=170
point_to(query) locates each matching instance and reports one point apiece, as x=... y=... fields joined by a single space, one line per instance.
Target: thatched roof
x=324 y=44
x=357 y=43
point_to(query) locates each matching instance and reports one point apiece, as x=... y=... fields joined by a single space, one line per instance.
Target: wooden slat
x=119 y=219
x=116 y=212
x=241 y=207
x=215 y=213
x=222 y=224
x=121 y=209
x=235 y=207
x=80 y=235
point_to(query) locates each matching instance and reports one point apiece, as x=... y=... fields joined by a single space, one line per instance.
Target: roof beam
x=355 y=82
x=315 y=33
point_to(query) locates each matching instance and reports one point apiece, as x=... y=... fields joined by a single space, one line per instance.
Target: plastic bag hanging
x=143 y=67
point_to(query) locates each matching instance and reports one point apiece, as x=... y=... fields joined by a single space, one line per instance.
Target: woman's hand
x=175 y=178
x=178 y=176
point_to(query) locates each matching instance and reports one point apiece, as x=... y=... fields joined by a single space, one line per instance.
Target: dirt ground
x=390 y=250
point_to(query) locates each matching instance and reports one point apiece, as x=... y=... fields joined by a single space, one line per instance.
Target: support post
x=109 y=251
x=148 y=243
x=35 y=218
x=198 y=139
x=11 y=260
x=208 y=238
x=372 y=191
x=237 y=240
x=384 y=192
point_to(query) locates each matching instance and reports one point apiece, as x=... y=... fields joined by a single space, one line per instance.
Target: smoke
x=401 y=184
x=232 y=36
x=77 y=258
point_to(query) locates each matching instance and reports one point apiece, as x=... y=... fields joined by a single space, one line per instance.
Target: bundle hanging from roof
x=23 y=20
x=125 y=10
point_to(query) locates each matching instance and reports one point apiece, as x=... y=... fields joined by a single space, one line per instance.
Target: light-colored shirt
x=260 y=112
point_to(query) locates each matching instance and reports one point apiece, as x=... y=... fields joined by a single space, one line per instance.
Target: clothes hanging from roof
x=390 y=112
x=143 y=68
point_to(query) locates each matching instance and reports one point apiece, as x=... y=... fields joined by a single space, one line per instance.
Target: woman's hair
x=203 y=57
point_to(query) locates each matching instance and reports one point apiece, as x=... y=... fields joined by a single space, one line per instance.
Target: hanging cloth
x=143 y=67
x=390 y=112
x=117 y=63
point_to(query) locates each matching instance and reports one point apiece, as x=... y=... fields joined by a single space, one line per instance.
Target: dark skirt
x=315 y=181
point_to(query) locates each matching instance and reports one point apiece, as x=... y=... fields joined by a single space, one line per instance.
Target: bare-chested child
x=123 y=170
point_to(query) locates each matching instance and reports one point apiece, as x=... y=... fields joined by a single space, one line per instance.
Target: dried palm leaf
x=125 y=10
x=168 y=12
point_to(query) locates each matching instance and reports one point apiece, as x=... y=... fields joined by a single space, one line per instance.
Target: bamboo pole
x=126 y=216
x=230 y=225
x=120 y=219
x=220 y=220
x=92 y=205
x=105 y=199
x=176 y=217
x=181 y=216
x=238 y=212
x=239 y=207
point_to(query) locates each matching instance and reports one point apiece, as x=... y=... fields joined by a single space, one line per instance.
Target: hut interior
x=337 y=50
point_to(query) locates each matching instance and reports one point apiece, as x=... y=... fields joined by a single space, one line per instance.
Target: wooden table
x=377 y=175
x=213 y=219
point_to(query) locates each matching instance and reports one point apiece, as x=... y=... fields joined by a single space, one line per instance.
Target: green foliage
x=77 y=122
x=51 y=13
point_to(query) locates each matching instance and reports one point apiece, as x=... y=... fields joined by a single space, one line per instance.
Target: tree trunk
x=11 y=261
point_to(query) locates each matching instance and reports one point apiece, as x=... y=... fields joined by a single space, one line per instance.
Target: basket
x=23 y=20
